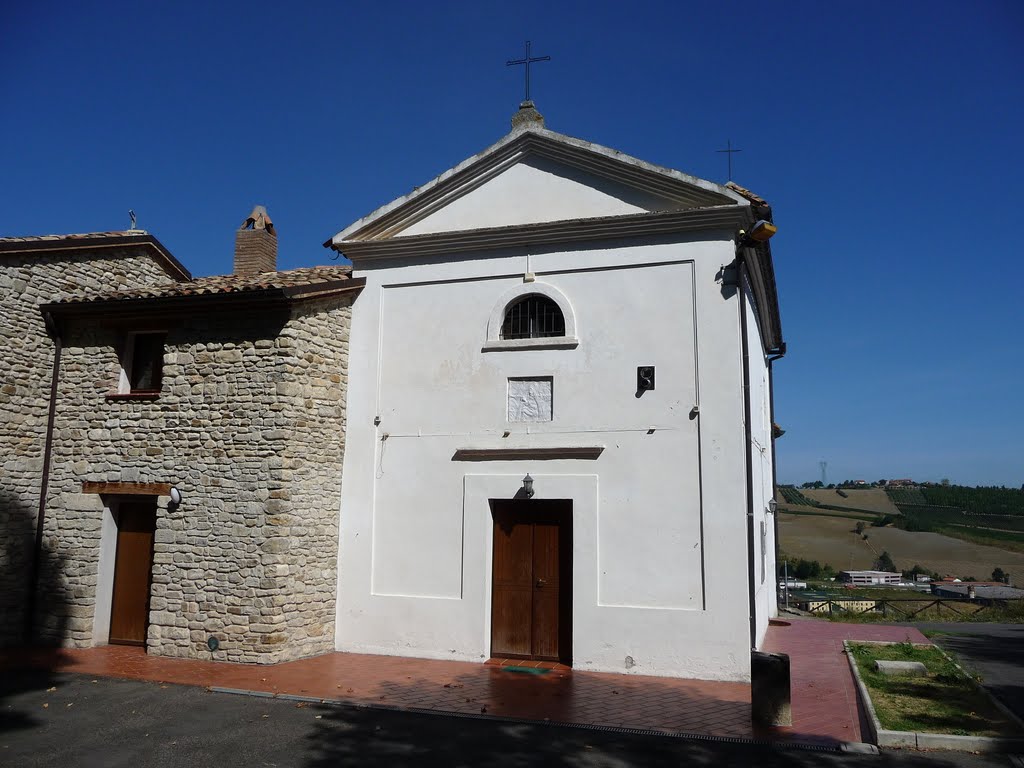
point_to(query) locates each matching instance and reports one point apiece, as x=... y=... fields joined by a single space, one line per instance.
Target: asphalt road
x=71 y=721
x=994 y=651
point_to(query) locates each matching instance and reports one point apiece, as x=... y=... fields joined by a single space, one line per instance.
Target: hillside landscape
x=949 y=530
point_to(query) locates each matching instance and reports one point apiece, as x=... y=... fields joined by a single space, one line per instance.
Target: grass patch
x=946 y=700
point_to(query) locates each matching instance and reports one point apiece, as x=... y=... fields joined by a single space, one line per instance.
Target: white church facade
x=559 y=435
x=533 y=421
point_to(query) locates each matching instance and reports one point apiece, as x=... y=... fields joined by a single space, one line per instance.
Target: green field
x=831 y=539
x=866 y=499
x=979 y=501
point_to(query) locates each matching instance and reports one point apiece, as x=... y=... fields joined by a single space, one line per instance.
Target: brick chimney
x=256 y=244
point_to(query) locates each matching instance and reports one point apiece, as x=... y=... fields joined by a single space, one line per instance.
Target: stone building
x=35 y=271
x=230 y=390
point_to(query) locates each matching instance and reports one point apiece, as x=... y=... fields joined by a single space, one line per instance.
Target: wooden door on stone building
x=133 y=572
x=531 y=597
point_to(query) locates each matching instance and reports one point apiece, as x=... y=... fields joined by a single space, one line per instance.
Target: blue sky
x=887 y=136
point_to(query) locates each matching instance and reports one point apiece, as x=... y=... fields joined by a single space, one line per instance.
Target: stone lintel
x=128 y=489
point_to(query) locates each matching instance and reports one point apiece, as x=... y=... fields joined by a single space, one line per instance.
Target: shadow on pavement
x=997 y=657
x=368 y=737
x=29 y=669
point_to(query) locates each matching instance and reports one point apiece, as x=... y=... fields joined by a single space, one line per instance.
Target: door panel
x=133 y=566
x=532 y=592
x=510 y=621
x=545 y=590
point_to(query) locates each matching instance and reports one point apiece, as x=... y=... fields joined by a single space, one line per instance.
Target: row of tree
x=813 y=570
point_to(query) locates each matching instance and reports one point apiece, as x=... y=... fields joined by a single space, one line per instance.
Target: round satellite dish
x=175 y=496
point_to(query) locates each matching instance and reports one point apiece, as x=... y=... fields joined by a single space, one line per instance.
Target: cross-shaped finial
x=729 y=153
x=527 y=61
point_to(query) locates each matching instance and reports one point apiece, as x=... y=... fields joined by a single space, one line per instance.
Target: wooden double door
x=531 y=596
x=133 y=572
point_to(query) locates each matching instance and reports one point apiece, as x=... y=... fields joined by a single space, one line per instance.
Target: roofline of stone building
x=97 y=241
x=151 y=306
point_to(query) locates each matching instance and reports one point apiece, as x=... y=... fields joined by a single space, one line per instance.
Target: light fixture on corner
x=761 y=232
x=175 y=495
x=528 y=486
x=773 y=505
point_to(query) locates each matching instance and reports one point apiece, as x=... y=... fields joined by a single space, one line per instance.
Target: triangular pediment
x=535 y=177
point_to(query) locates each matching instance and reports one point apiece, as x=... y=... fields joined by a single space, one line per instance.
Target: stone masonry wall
x=250 y=427
x=26 y=281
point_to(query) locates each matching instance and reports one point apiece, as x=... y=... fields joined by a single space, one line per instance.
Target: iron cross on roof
x=527 y=61
x=729 y=153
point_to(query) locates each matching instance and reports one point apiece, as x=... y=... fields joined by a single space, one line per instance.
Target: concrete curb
x=853 y=747
x=913 y=740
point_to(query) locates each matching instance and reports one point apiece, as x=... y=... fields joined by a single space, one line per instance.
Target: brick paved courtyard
x=824 y=701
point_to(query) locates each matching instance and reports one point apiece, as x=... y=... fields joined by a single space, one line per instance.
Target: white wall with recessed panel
x=659 y=517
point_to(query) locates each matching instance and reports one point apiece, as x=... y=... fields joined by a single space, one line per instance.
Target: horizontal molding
x=128 y=489
x=588 y=452
x=546 y=233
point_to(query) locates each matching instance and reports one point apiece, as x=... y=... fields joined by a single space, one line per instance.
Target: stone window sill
x=142 y=394
x=546 y=342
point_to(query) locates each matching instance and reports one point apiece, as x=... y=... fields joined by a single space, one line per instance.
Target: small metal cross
x=527 y=61
x=729 y=153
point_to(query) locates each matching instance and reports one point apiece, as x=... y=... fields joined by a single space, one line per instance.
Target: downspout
x=775 y=475
x=741 y=272
x=44 y=486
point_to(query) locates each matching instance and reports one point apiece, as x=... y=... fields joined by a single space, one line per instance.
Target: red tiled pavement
x=824 y=701
x=560 y=695
x=824 y=694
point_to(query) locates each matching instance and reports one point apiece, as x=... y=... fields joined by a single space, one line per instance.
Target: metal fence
x=902 y=609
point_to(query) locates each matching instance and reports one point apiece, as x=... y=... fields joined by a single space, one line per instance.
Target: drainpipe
x=775 y=474
x=33 y=585
x=741 y=271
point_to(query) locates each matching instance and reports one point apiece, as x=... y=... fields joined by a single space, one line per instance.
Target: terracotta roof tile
x=225 y=284
x=756 y=199
x=82 y=236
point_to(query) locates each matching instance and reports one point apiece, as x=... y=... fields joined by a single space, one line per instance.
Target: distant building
x=869 y=577
x=792 y=584
x=979 y=590
x=900 y=482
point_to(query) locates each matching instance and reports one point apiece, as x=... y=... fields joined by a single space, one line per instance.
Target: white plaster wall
x=105 y=574
x=760 y=456
x=659 y=518
x=535 y=190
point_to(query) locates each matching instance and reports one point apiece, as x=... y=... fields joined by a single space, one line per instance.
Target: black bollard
x=769 y=688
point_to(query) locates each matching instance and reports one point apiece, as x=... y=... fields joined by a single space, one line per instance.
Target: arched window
x=533 y=317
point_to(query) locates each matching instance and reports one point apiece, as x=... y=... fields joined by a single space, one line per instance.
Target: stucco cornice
x=546 y=233
x=682 y=189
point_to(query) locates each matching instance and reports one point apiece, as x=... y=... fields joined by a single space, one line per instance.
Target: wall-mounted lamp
x=175 y=495
x=761 y=232
x=528 y=486
x=772 y=505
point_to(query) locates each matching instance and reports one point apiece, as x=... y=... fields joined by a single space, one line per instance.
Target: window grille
x=533 y=317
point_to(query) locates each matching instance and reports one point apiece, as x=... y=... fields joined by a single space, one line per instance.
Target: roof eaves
x=506 y=148
x=98 y=240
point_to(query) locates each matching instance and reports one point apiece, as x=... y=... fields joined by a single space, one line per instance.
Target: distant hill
x=872 y=499
x=832 y=540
